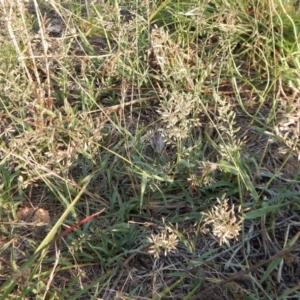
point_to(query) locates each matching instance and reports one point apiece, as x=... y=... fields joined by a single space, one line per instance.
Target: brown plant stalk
x=241 y=273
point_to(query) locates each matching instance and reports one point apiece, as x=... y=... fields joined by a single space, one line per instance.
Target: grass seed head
x=226 y=222
x=165 y=241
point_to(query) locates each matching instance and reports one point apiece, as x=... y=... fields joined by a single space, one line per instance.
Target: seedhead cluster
x=176 y=114
x=226 y=222
x=163 y=242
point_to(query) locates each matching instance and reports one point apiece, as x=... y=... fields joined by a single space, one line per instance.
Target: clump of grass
x=151 y=110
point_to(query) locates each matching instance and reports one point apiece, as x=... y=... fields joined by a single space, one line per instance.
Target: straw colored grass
x=149 y=149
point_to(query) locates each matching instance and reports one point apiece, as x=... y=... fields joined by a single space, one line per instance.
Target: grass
x=149 y=149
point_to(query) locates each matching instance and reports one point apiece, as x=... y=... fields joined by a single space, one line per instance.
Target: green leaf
x=262 y=211
x=50 y=236
x=270 y=269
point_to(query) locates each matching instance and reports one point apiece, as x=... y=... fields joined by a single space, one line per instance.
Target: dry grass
x=171 y=117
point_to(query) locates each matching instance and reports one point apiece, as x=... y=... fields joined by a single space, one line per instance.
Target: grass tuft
x=149 y=149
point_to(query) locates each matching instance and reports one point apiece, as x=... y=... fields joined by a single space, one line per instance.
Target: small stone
x=41 y=217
